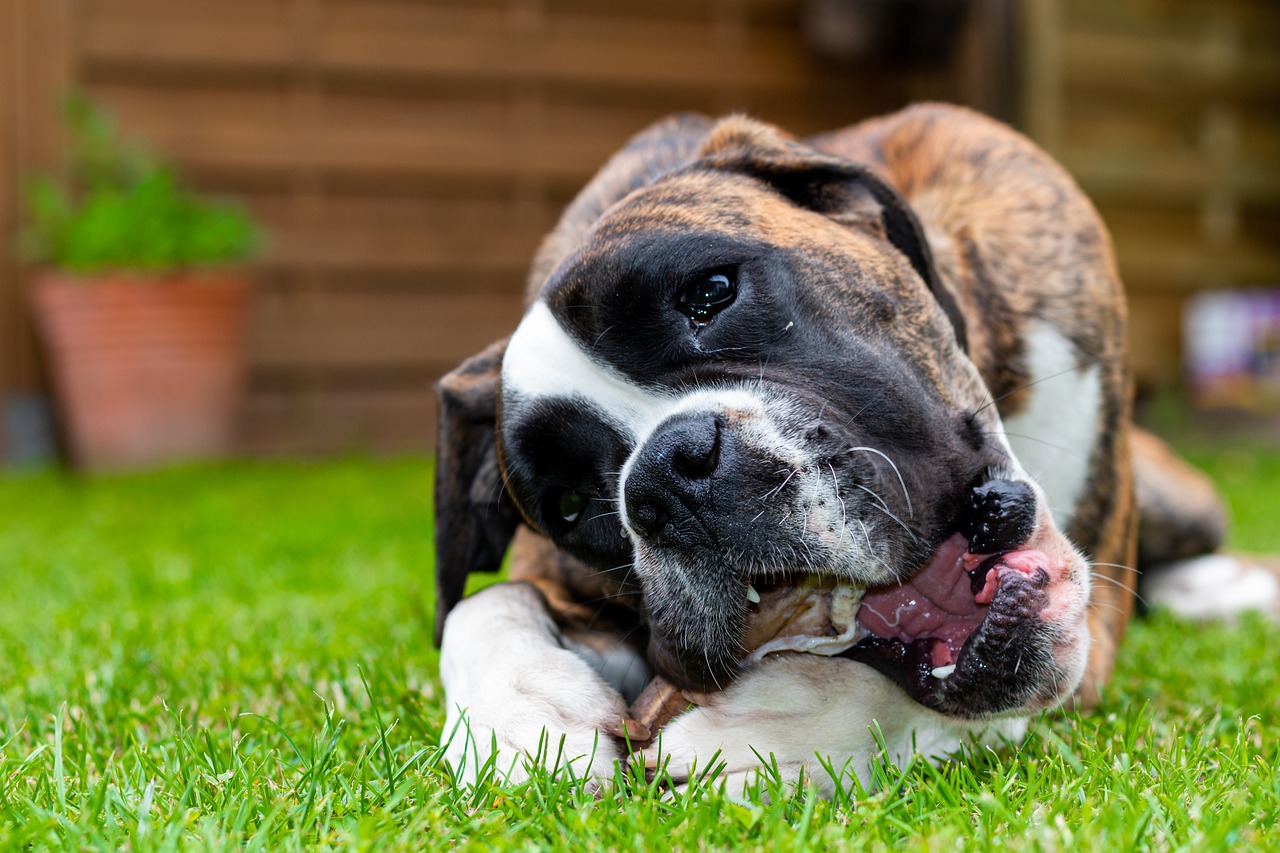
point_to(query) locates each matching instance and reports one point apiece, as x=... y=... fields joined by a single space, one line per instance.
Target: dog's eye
x=570 y=505
x=707 y=296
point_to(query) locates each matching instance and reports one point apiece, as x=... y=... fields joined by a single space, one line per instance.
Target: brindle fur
x=997 y=213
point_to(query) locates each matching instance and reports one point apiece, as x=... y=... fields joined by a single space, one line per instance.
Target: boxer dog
x=891 y=357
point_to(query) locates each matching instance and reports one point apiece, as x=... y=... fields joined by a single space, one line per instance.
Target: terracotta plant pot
x=148 y=369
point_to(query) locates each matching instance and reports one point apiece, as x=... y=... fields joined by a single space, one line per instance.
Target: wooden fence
x=407 y=155
x=1168 y=114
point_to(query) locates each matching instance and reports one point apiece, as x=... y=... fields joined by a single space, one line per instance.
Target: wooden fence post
x=36 y=69
x=1041 y=107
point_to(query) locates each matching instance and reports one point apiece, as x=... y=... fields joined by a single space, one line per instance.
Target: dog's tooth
x=752 y=595
x=943 y=671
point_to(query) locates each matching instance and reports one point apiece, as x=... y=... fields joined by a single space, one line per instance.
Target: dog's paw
x=804 y=717
x=1215 y=586
x=517 y=698
x=565 y=727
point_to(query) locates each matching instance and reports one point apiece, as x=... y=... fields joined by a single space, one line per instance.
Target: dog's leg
x=1182 y=523
x=803 y=714
x=517 y=693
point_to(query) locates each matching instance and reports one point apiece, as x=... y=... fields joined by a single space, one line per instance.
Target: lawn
x=240 y=656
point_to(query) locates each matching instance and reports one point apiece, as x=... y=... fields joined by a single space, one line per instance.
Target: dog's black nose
x=668 y=481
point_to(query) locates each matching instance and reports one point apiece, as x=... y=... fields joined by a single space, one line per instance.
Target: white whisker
x=901 y=482
x=883 y=507
x=1122 y=586
x=779 y=487
x=844 y=511
x=1117 y=566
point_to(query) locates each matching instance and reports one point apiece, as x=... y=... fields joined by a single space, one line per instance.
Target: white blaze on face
x=542 y=361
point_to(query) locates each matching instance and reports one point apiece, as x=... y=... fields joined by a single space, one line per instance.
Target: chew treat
x=814 y=614
x=657 y=704
x=808 y=614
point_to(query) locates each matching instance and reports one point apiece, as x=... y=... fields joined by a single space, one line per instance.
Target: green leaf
x=122 y=207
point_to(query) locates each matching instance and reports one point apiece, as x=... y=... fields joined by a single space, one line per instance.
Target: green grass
x=241 y=656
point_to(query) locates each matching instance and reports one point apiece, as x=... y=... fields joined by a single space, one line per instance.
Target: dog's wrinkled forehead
x=711 y=277
x=633 y=291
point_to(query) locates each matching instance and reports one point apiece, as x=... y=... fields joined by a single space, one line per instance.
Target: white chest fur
x=1054 y=435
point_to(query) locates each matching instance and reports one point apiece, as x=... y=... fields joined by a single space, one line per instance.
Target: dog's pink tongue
x=938 y=602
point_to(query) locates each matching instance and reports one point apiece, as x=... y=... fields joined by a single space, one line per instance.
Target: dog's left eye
x=570 y=505
x=707 y=296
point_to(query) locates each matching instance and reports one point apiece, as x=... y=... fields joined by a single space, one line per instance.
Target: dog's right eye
x=708 y=295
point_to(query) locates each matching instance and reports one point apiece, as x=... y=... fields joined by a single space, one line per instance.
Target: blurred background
x=406 y=156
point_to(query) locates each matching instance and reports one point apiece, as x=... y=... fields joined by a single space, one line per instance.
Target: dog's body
x=892 y=356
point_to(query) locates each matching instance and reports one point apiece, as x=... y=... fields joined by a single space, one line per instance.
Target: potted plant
x=139 y=305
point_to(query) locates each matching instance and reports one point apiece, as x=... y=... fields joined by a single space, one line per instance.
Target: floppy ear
x=832 y=186
x=475 y=518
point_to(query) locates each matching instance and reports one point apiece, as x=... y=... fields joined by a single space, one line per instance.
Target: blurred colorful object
x=1232 y=345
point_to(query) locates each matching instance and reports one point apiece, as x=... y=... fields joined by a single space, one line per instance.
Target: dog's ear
x=475 y=517
x=830 y=185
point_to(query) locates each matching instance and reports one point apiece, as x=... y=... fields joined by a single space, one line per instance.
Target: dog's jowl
x=831 y=434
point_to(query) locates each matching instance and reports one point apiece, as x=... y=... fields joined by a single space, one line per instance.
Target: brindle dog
x=893 y=356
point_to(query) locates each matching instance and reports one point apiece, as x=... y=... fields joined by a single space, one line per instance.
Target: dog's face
x=746 y=371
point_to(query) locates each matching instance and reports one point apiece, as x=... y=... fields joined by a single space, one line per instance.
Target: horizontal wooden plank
x=639 y=54
x=1115 y=124
x=239 y=32
x=1254 y=21
x=1136 y=132
x=1180 y=265
x=1261 y=225
x=308 y=422
x=1166 y=249
x=352 y=330
x=457 y=41
x=1152 y=62
x=264 y=130
x=403 y=235
x=1160 y=177
x=1175 y=223
x=399 y=11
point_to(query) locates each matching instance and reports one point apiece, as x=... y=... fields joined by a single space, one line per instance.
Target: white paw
x=823 y=719
x=517 y=698
x=1213 y=587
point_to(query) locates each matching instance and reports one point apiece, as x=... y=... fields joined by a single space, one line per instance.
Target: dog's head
x=739 y=366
